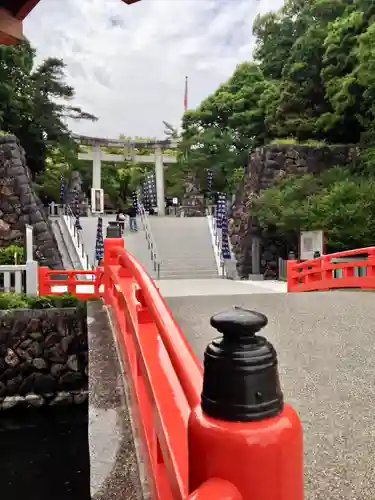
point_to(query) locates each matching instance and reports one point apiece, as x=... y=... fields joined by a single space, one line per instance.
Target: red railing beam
x=318 y=274
x=146 y=354
x=185 y=363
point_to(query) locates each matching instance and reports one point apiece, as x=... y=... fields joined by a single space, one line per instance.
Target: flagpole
x=186 y=107
x=186 y=94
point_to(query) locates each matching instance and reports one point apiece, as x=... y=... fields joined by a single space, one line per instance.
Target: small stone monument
x=193 y=203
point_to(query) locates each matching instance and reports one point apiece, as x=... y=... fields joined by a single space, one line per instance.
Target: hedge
x=7 y=255
x=22 y=301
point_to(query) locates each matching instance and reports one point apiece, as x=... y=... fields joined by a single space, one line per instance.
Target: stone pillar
x=29 y=243
x=96 y=167
x=159 y=178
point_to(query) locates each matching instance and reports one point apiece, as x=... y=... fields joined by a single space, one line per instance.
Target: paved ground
x=214 y=287
x=326 y=352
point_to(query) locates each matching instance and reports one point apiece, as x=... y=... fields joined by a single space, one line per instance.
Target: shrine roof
x=19 y=8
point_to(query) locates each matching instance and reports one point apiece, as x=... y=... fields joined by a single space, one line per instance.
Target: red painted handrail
x=166 y=377
x=184 y=361
x=324 y=273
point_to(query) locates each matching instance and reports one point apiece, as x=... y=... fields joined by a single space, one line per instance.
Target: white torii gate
x=96 y=155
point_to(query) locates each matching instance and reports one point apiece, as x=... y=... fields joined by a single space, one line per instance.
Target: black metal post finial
x=292 y=255
x=241 y=380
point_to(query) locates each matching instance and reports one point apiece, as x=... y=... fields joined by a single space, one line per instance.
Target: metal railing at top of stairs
x=155 y=256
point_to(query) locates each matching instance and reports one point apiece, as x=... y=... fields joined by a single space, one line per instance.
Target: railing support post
x=243 y=432
x=109 y=259
x=289 y=269
x=43 y=276
x=31 y=277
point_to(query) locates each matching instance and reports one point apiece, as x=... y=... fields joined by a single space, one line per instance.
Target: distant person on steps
x=121 y=220
x=132 y=213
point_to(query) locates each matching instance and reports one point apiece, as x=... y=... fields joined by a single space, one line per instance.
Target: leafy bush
x=290 y=140
x=21 y=301
x=287 y=140
x=13 y=301
x=340 y=203
x=11 y=255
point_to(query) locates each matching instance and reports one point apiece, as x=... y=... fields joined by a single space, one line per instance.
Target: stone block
x=19 y=202
x=43 y=358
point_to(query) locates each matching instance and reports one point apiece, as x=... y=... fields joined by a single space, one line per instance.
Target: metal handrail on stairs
x=78 y=235
x=155 y=256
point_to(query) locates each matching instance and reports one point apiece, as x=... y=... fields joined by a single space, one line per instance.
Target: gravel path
x=325 y=343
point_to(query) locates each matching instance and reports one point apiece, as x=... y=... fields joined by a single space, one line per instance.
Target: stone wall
x=43 y=357
x=19 y=205
x=267 y=165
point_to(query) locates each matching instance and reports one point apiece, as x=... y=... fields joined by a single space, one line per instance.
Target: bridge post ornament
x=243 y=431
x=241 y=379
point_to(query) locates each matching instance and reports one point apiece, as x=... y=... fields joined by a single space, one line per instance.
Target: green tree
x=220 y=132
x=58 y=161
x=338 y=202
x=170 y=131
x=34 y=103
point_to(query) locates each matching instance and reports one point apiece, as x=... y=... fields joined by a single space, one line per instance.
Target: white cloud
x=128 y=63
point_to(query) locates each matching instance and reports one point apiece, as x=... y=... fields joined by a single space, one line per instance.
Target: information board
x=97 y=201
x=311 y=242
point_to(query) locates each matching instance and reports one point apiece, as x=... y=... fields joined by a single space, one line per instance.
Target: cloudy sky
x=128 y=63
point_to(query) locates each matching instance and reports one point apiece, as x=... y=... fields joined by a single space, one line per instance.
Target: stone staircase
x=65 y=245
x=185 y=247
x=137 y=245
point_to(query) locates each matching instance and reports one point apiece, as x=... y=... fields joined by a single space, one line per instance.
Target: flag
x=186 y=94
x=62 y=188
x=209 y=179
x=225 y=250
x=220 y=209
x=135 y=200
x=99 y=245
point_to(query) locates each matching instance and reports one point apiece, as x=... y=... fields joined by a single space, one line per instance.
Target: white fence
x=21 y=278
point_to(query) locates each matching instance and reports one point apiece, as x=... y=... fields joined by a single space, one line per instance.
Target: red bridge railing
x=166 y=377
x=83 y=284
x=348 y=269
x=224 y=434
